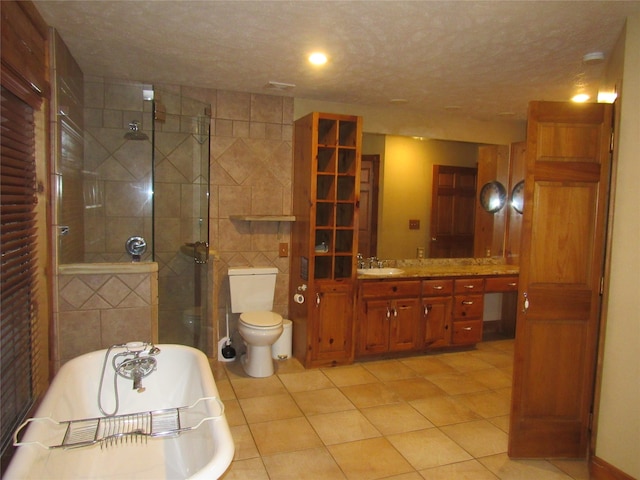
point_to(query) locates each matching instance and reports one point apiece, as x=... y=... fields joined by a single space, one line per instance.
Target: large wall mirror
x=401 y=227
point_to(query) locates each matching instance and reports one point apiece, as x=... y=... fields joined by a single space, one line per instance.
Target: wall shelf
x=264 y=218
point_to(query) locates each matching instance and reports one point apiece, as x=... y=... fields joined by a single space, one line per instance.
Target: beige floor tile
x=281 y=436
x=369 y=459
x=349 y=375
x=428 y=448
x=465 y=361
x=405 y=476
x=243 y=441
x=445 y=410
x=304 y=381
x=233 y=413
x=290 y=365
x=251 y=469
x=505 y=468
x=494 y=378
x=322 y=401
x=457 y=383
x=469 y=470
x=225 y=389
x=497 y=358
x=389 y=370
x=428 y=365
x=257 y=387
x=311 y=464
x=501 y=422
x=271 y=407
x=480 y=438
x=577 y=469
x=370 y=395
x=415 y=388
x=488 y=404
x=396 y=418
x=340 y=427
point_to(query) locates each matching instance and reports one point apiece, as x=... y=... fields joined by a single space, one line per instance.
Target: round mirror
x=493 y=196
x=517 y=196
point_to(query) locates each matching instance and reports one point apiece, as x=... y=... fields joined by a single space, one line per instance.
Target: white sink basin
x=380 y=271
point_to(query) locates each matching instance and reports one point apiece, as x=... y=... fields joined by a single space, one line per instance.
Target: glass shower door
x=181 y=217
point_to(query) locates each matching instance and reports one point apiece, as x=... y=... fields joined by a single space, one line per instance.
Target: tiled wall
x=101 y=305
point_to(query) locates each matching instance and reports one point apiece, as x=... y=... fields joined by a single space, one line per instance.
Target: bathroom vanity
x=430 y=306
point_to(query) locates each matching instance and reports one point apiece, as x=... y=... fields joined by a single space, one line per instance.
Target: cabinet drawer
x=501 y=284
x=391 y=288
x=466 y=331
x=468 y=306
x=469 y=285
x=437 y=287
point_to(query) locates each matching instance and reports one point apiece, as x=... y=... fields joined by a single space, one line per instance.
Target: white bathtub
x=183 y=376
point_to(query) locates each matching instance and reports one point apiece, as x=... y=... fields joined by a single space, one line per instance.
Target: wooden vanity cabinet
x=389 y=317
x=468 y=306
x=436 y=313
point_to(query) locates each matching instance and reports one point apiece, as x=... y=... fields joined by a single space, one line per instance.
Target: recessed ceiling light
x=318 y=58
x=580 y=98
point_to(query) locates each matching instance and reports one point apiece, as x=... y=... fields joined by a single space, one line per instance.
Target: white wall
x=618 y=417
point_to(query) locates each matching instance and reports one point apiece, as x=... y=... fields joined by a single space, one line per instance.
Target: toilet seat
x=261 y=319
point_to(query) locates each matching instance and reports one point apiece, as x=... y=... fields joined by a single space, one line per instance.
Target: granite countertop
x=450 y=267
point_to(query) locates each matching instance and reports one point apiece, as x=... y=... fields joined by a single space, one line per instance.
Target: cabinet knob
x=468 y=329
x=470 y=287
x=438 y=287
x=467 y=302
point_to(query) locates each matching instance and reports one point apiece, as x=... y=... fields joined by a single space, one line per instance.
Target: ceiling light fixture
x=281 y=86
x=318 y=58
x=607 y=97
x=593 y=58
x=580 y=98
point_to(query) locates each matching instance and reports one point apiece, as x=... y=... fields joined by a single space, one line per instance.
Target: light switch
x=283 y=250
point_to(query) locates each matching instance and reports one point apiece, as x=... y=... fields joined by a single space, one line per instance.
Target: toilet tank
x=252 y=289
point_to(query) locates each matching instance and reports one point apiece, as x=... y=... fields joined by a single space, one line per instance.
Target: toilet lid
x=261 y=319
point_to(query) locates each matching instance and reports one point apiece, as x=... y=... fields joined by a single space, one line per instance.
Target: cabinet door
x=374 y=327
x=561 y=266
x=436 y=314
x=333 y=323
x=404 y=323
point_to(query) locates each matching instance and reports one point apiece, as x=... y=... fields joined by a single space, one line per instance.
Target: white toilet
x=252 y=291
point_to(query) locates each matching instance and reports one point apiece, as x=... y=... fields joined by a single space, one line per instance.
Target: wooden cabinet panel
x=334 y=323
x=373 y=327
x=404 y=324
x=466 y=332
x=468 y=285
x=468 y=306
x=437 y=287
x=436 y=314
x=501 y=284
x=390 y=288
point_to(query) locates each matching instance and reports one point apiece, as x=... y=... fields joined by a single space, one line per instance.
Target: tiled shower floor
x=440 y=416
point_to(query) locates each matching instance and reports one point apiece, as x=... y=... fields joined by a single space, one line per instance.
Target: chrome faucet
x=138 y=366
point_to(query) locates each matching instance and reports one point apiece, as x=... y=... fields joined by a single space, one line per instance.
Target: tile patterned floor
x=440 y=416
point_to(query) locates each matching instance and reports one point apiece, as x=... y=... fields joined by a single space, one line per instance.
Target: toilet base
x=257 y=362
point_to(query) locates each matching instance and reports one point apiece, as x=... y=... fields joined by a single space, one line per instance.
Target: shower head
x=134 y=132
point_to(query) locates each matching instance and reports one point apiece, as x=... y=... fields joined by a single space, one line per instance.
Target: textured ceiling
x=487 y=57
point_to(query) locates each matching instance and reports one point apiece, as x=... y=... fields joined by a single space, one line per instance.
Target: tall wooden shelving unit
x=326 y=191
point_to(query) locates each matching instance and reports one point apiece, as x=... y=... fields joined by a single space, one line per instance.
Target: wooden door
x=561 y=267
x=368 y=212
x=452 y=211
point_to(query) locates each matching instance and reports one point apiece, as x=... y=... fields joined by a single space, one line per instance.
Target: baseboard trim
x=601 y=470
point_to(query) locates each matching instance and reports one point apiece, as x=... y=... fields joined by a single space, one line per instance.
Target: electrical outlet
x=414 y=224
x=283 y=250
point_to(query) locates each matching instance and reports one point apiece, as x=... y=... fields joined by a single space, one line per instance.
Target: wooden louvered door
x=561 y=266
